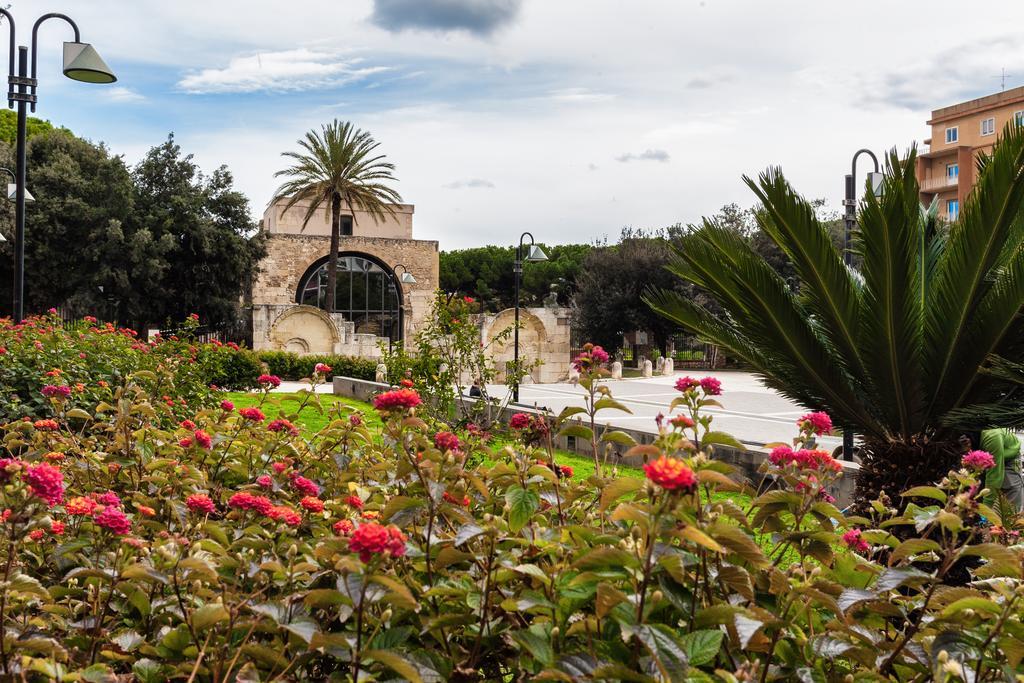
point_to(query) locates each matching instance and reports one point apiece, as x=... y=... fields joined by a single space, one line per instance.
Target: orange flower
x=671 y=474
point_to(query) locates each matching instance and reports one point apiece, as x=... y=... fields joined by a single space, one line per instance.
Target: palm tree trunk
x=332 y=261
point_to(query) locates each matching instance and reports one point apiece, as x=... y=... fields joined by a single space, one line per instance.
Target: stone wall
x=746 y=461
x=543 y=336
x=278 y=221
x=288 y=258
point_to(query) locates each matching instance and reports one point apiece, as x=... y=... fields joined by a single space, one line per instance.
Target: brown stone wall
x=397 y=225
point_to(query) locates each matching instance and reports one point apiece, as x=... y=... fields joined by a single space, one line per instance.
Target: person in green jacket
x=1004 y=447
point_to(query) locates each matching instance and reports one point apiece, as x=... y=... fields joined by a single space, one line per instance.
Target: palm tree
x=899 y=352
x=337 y=168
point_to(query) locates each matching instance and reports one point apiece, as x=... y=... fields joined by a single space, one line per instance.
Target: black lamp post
x=81 y=63
x=850 y=222
x=405 y=278
x=535 y=253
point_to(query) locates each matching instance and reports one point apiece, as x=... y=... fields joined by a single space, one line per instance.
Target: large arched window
x=366 y=293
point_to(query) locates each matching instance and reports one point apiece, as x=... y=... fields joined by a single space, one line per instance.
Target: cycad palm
x=894 y=350
x=337 y=167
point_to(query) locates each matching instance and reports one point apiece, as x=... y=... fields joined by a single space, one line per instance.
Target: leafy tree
x=338 y=167
x=891 y=351
x=485 y=273
x=192 y=241
x=33 y=127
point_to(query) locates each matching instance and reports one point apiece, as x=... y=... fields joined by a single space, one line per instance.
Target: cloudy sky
x=569 y=118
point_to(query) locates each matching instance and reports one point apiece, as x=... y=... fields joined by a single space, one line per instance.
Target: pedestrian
x=1005 y=476
x=474 y=391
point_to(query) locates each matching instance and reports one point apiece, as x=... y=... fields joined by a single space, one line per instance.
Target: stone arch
x=533 y=338
x=304 y=329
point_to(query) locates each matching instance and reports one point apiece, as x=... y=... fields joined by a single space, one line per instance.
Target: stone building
x=372 y=301
x=543 y=336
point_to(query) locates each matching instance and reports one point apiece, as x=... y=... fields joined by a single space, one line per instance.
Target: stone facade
x=543 y=336
x=280 y=323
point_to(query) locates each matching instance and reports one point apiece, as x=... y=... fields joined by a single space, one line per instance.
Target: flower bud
x=943 y=657
x=554 y=631
x=657 y=596
x=386 y=616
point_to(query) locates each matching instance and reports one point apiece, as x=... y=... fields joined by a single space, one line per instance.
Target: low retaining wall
x=746 y=461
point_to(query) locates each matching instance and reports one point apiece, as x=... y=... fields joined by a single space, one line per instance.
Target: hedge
x=238 y=370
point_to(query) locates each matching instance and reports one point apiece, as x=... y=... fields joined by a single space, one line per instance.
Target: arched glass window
x=366 y=294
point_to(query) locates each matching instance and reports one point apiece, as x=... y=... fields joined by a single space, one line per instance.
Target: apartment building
x=946 y=167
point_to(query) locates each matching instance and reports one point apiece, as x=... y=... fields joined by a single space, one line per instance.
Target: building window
x=366 y=293
x=346 y=225
x=988 y=126
x=952 y=135
x=952 y=170
x=952 y=209
x=1018 y=118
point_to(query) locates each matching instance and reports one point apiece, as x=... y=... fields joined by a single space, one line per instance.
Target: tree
x=33 y=127
x=485 y=273
x=894 y=350
x=192 y=240
x=337 y=168
x=610 y=285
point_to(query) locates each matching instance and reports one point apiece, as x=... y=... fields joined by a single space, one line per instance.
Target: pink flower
x=354 y=501
x=227 y=406
x=264 y=481
x=56 y=391
x=188 y=424
x=819 y=423
x=978 y=461
x=185 y=442
x=46 y=482
x=282 y=425
x=682 y=422
x=519 y=421
x=283 y=513
x=398 y=400
x=272 y=381
x=312 y=503
x=446 y=441
x=344 y=527
x=355 y=419
x=247 y=501
x=853 y=540
x=372 y=539
x=322 y=369
x=711 y=386
x=200 y=503
x=686 y=383
x=109 y=498
x=591 y=357
x=254 y=414
x=305 y=486
x=203 y=439
x=114 y=520
x=279 y=467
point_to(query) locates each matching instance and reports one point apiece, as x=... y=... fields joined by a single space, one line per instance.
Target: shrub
x=135 y=548
x=293 y=367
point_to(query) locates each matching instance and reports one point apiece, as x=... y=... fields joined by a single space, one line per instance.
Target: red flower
x=46 y=425
x=185 y=442
x=671 y=474
x=203 y=439
x=400 y=399
x=36 y=534
x=57 y=528
x=468 y=299
x=146 y=511
x=312 y=503
x=711 y=386
x=519 y=421
x=592 y=356
x=681 y=421
x=8 y=467
x=355 y=419
x=227 y=406
x=247 y=501
x=406 y=383
x=200 y=503
x=264 y=481
x=80 y=505
x=188 y=424
x=254 y=414
x=855 y=542
x=819 y=423
x=279 y=467
x=344 y=527
x=565 y=471
x=282 y=425
x=114 y=520
x=446 y=441
x=782 y=456
x=686 y=383
x=56 y=391
x=109 y=498
x=978 y=460
x=373 y=539
x=455 y=501
x=46 y=482
x=283 y=513
x=272 y=381
x=305 y=486
x=322 y=368
x=354 y=501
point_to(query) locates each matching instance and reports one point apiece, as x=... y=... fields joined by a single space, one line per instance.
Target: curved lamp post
x=533 y=254
x=406 y=278
x=850 y=222
x=81 y=63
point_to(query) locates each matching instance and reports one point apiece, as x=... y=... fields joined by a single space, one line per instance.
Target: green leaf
x=609 y=402
x=569 y=411
x=702 y=646
x=618 y=488
x=397 y=663
x=975 y=603
x=148 y=671
x=721 y=439
x=78 y=414
x=932 y=492
x=536 y=640
x=467 y=532
x=208 y=615
x=399 y=503
x=577 y=430
x=914 y=546
x=522 y=504
x=668 y=653
x=619 y=437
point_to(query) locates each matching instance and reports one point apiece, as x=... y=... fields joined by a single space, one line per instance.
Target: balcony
x=939 y=184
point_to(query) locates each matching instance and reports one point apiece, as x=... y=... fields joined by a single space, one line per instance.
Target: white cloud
x=299 y=69
x=646 y=155
x=471 y=183
x=121 y=94
x=579 y=95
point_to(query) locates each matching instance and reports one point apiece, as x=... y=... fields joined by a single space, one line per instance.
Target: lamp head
x=12 y=193
x=875 y=181
x=407 y=278
x=83 y=63
x=535 y=253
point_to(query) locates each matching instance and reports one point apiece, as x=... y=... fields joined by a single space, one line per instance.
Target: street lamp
x=850 y=222
x=533 y=254
x=81 y=63
x=406 y=278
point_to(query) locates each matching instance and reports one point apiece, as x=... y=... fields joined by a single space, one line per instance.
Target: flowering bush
x=356 y=555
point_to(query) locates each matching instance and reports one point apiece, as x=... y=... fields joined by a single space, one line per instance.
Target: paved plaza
x=751 y=412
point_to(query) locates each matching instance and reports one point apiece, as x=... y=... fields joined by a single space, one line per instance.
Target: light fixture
x=12 y=192
x=83 y=63
x=875 y=180
x=407 y=278
x=534 y=253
